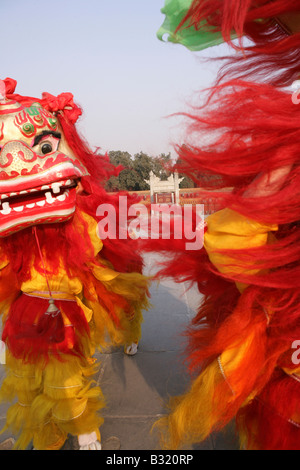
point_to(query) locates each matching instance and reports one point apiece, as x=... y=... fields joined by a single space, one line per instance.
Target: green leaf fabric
x=188 y=36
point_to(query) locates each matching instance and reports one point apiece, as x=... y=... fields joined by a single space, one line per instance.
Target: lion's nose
x=16 y=154
x=22 y=168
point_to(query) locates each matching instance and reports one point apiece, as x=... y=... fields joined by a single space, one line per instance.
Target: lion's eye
x=46 y=144
x=46 y=148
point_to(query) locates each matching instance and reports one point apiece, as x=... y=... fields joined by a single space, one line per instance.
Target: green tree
x=136 y=170
x=186 y=182
x=129 y=180
x=142 y=164
x=120 y=158
x=124 y=160
x=112 y=184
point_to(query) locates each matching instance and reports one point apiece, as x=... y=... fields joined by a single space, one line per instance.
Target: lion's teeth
x=56 y=187
x=18 y=208
x=6 y=209
x=49 y=197
x=61 y=197
x=41 y=203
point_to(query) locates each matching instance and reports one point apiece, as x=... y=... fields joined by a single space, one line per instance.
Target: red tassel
x=35 y=328
x=51 y=325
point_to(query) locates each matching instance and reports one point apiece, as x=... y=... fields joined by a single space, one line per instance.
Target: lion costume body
x=63 y=292
x=243 y=143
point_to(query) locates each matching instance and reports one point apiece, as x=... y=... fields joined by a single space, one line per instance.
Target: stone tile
x=112 y=443
x=140 y=385
x=129 y=433
x=7 y=444
x=162 y=330
x=227 y=439
x=136 y=434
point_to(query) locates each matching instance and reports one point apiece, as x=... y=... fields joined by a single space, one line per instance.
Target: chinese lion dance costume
x=243 y=344
x=63 y=292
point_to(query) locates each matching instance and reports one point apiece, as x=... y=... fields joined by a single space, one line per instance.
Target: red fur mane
x=272 y=56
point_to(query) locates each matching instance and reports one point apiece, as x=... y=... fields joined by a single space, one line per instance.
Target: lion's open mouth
x=50 y=203
x=36 y=189
x=47 y=195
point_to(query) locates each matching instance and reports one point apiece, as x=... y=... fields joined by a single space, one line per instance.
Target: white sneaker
x=131 y=349
x=89 y=442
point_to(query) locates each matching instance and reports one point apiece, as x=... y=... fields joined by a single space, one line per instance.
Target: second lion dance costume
x=244 y=342
x=63 y=292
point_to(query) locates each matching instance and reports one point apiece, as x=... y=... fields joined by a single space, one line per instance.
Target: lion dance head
x=40 y=170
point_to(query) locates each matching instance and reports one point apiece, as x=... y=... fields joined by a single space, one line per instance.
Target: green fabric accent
x=175 y=11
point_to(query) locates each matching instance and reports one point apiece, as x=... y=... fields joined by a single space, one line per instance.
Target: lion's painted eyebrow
x=39 y=137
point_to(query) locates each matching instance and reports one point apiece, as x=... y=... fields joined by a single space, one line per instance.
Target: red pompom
x=10 y=85
x=33 y=335
x=62 y=103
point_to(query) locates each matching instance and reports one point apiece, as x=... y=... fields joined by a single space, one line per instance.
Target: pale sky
x=107 y=54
